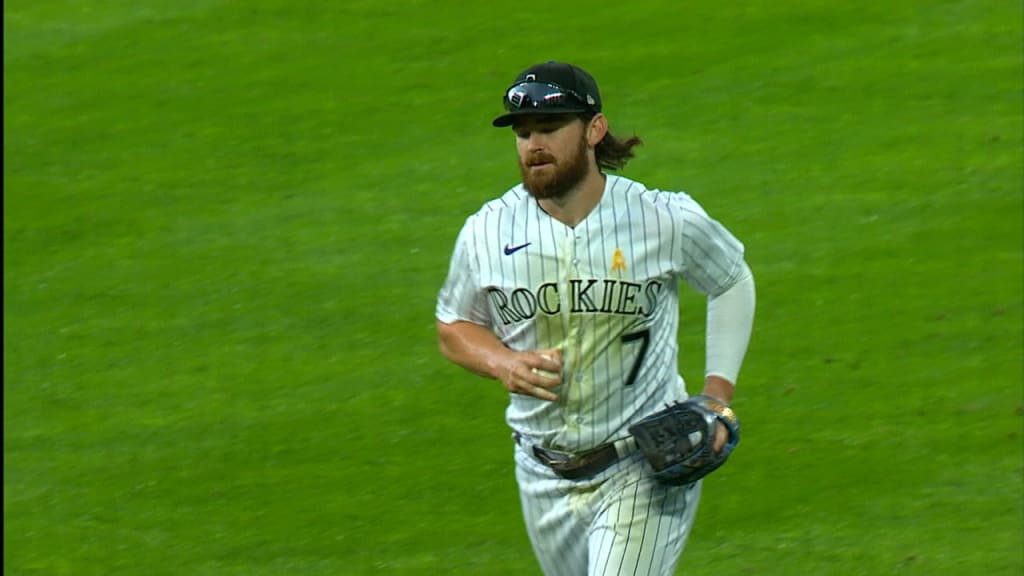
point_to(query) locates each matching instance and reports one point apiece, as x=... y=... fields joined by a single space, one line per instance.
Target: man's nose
x=537 y=141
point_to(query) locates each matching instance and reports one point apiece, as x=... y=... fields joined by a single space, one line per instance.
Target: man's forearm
x=473 y=347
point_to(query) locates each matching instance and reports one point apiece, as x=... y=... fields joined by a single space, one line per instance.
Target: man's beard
x=560 y=179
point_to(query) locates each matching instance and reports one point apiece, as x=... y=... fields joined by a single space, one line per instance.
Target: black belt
x=573 y=466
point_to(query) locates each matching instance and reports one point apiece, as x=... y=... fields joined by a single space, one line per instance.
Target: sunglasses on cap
x=543 y=96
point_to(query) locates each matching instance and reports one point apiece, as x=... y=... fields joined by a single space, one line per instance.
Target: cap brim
x=508 y=119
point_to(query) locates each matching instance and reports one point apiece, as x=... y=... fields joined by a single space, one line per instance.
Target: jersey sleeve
x=461 y=297
x=710 y=257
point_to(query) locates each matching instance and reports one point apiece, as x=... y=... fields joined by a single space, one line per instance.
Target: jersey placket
x=573 y=385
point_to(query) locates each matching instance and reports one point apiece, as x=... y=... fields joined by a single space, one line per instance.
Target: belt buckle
x=574 y=466
x=555 y=459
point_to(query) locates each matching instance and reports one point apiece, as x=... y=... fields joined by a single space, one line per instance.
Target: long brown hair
x=612 y=153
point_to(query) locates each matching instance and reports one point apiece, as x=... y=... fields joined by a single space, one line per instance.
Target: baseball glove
x=678 y=440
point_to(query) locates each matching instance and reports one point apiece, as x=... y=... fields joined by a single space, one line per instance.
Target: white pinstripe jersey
x=605 y=292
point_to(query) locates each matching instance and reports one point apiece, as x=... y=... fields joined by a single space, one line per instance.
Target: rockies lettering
x=590 y=296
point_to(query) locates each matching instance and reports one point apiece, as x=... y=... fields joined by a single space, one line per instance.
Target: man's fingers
x=543 y=394
x=531 y=383
x=541 y=391
x=543 y=378
x=555 y=353
x=547 y=363
x=721 y=437
x=550 y=360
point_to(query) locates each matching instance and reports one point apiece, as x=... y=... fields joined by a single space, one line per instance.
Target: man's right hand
x=533 y=373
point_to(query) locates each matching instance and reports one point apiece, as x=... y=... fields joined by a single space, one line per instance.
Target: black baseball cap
x=550 y=88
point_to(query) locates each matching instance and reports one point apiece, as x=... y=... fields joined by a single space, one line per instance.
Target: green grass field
x=225 y=224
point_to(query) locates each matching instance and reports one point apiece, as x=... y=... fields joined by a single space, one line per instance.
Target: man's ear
x=597 y=127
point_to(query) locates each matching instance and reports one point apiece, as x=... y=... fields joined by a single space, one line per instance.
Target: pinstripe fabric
x=619 y=523
x=559 y=291
x=606 y=293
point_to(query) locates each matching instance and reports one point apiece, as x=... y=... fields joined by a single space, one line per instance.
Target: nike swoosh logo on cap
x=512 y=250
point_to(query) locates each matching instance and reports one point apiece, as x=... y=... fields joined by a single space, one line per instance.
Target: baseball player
x=566 y=290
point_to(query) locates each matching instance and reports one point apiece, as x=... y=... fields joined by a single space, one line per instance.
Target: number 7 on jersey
x=644 y=336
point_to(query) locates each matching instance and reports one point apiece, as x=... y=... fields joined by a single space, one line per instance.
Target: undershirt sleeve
x=730 y=321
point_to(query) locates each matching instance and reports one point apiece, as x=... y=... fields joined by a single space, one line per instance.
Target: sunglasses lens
x=538 y=96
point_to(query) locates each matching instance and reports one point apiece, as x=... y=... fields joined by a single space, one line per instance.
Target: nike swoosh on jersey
x=512 y=250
